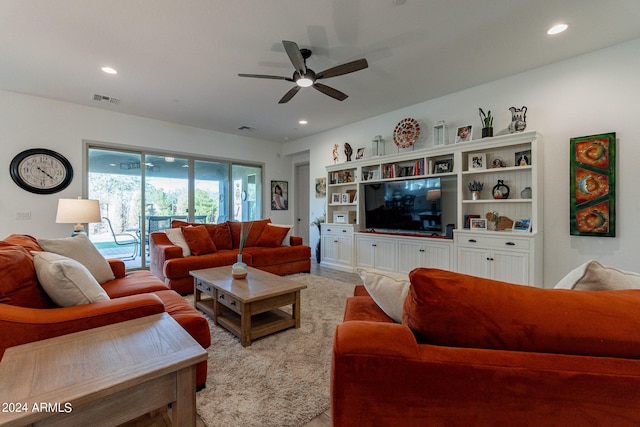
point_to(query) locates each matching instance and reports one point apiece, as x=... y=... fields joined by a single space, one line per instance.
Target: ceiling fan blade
x=265 y=76
x=295 y=56
x=287 y=96
x=340 y=70
x=334 y=93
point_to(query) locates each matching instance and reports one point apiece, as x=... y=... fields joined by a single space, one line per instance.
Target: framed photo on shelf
x=478 y=224
x=344 y=198
x=523 y=158
x=463 y=134
x=360 y=153
x=443 y=166
x=468 y=218
x=335 y=198
x=477 y=161
x=522 y=225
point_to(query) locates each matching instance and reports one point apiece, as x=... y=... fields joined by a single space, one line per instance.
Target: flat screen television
x=404 y=205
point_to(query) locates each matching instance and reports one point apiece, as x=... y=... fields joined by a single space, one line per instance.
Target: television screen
x=409 y=205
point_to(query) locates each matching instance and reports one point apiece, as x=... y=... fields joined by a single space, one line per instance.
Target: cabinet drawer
x=337 y=230
x=229 y=302
x=494 y=242
x=204 y=287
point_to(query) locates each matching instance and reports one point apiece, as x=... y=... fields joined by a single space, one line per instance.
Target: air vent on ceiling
x=109 y=99
x=245 y=128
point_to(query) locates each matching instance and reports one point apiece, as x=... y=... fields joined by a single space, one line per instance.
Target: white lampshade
x=78 y=211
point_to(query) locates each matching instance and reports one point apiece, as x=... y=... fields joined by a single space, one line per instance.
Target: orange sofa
x=477 y=352
x=27 y=313
x=169 y=264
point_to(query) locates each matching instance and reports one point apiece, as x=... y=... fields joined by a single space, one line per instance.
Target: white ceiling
x=178 y=60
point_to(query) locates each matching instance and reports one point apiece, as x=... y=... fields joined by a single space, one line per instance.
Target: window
x=143 y=192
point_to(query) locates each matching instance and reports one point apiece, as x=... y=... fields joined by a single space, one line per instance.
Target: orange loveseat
x=27 y=313
x=477 y=352
x=169 y=264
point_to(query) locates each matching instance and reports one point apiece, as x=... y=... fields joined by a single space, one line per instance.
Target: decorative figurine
x=518 y=119
x=348 y=151
x=500 y=190
x=334 y=153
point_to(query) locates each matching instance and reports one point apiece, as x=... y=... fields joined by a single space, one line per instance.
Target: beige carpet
x=282 y=379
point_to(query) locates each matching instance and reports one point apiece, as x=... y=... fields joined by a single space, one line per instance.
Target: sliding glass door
x=115 y=178
x=143 y=192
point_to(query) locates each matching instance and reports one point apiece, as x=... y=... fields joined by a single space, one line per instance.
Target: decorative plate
x=406 y=133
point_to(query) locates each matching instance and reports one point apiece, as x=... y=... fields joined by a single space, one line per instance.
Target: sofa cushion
x=458 y=310
x=67 y=281
x=198 y=239
x=180 y=267
x=82 y=250
x=18 y=282
x=30 y=243
x=364 y=308
x=261 y=257
x=388 y=290
x=133 y=283
x=273 y=235
x=593 y=276
x=220 y=233
x=256 y=229
x=177 y=238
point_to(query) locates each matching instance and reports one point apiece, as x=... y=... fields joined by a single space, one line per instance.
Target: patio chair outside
x=124 y=239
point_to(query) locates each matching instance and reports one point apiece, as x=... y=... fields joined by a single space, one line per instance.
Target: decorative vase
x=526 y=193
x=475 y=195
x=487 y=132
x=239 y=269
x=319 y=245
x=500 y=190
x=518 y=119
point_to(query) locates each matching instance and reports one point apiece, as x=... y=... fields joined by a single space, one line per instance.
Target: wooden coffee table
x=249 y=308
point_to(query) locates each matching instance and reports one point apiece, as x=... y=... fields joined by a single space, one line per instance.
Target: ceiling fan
x=305 y=77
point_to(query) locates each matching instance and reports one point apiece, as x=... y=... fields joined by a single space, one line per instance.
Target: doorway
x=302 y=201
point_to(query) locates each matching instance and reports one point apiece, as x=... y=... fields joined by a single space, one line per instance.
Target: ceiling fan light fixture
x=304 y=82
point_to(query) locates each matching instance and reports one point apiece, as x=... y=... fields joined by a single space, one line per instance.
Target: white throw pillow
x=66 y=281
x=177 y=238
x=388 y=290
x=287 y=239
x=593 y=276
x=82 y=250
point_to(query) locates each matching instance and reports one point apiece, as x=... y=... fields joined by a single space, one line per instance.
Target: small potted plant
x=487 y=123
x=475 y=187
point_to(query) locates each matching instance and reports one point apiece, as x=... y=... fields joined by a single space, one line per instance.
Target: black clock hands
x=44 y=172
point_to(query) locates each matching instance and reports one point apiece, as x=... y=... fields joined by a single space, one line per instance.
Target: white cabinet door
x=512 y=267
x=385 y=254
x=345 y=250
x=474 y=261
x=329 y=249
x=375 y=252
x=410 y=255
x=365 y=252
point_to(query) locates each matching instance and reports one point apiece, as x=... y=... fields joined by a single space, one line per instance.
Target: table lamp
x=78 y=211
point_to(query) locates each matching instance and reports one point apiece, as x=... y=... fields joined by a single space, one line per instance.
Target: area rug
x=280 y=380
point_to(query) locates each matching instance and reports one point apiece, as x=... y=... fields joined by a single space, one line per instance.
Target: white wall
x=32 y=122
x=590 y=94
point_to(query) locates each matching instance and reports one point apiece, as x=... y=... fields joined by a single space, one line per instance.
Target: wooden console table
x=103 y=376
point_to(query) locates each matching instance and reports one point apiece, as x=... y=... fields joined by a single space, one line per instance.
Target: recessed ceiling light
x=557 y=29
x=109 y=70
x=303 y=122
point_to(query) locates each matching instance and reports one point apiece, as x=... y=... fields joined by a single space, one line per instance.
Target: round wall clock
x=41 y=171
